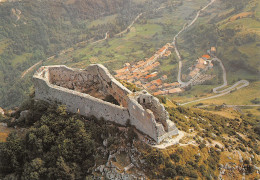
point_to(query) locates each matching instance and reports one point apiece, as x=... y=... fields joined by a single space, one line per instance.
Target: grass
x=167 y=65
x=22 y=58
x=252 y=52
x=251 y=110
x=103 y=20
x=226 y=112
x=250 y=92
x=3 y=45
x=248 y=23
x=129 y=48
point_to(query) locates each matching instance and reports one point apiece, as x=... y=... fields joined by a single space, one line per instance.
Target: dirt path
x=128 y=27
x=106 y=36
x=30 y=69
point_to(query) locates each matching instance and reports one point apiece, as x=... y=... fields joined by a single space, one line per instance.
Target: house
x=200 y=66
x=127 y=64
x=210 y=65
x=213 y=50
x=160 y=93
x=171 y=46
x=164 y=77
x=121 y=70
x=174 y=84
x=167 y=53
x=194 y=72
x=175 y=90
x=206 y=56
x=153 y=84
x=201 y=61
x=151 y=75
x=152 y=87
x=138 y=83
x=157 y=82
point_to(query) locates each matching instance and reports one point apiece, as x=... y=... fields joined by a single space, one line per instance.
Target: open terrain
x=133 y=46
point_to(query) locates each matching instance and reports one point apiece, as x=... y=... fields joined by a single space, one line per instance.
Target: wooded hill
x=31 y=31
x=55 y=144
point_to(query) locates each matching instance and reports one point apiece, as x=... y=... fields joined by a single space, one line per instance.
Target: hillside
x=158 y=46
x=237 y=47
x=51 y=143
x=233 y=27
x=31 y=31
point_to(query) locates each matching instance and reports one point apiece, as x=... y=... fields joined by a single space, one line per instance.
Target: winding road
x=128 y=27
x=183 y=84
x=30 y=69
x=100 y=40
x=234 y=86
x=238 y=85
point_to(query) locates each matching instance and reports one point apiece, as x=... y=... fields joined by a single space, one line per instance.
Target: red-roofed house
x=206 y=56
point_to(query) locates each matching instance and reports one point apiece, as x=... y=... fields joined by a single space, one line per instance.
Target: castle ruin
x=94 y=91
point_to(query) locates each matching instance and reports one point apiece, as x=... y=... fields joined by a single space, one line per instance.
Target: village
x=144 y=75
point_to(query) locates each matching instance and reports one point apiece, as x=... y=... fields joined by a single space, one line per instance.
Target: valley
x=120 y=58
x=200 y=58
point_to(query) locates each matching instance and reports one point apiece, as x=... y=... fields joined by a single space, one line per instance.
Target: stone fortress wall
x=84 y=91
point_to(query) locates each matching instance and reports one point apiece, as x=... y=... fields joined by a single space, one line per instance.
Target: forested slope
x=51 y=143
x=31 y=31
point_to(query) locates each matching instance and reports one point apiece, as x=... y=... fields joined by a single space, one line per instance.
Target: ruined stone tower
x=94 y=91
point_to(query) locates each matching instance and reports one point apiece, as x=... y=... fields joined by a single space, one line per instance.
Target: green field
x=103 y=20
x=152 y=31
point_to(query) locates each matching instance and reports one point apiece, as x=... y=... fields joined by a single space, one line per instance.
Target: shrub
x=175 y=157
x=162 y=99
x=201 y=146
x=170 y=172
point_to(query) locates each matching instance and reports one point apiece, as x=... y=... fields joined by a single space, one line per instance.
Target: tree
x=63 y=171
x=34 y=170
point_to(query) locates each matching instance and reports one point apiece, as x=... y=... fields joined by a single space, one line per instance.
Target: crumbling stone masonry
x=85 y=91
